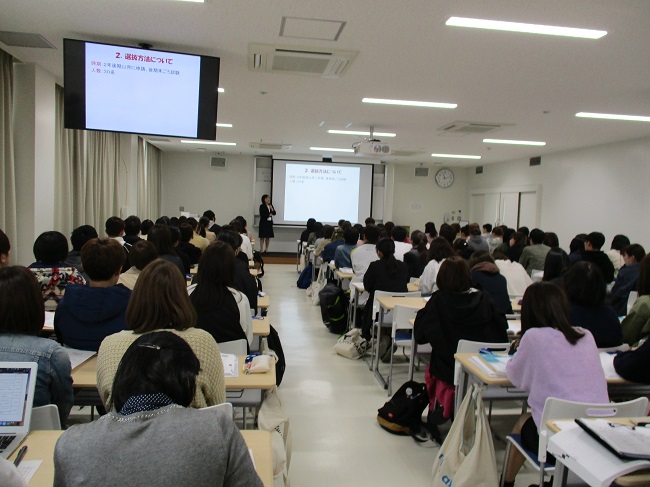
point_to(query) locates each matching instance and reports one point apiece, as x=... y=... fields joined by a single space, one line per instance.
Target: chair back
x=631 y=299
x=555 y=408
x=379 y=294
x=45 y=418
x=235 y=347
x=401 y=318
x=225 y=406
x=468 y=346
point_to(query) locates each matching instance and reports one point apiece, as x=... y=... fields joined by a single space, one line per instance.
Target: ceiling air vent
x=217 y=162
x=269 y=146
x=461 y=129
x=325 y=63
x=421 y=172
x=479 y=169
x=535 y=161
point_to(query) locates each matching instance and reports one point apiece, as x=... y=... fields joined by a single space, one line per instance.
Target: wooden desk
x=617 y=387
x=387 y=303
x=261 y=326
x=41 y=447
x=85 y=376
x=638 y=478
x=516 y=307
x=343 y=275
x=263 y=302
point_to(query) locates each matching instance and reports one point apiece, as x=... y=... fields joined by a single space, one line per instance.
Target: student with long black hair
x=385 y=274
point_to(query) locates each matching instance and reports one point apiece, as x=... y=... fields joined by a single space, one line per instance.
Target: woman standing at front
x=266 y=222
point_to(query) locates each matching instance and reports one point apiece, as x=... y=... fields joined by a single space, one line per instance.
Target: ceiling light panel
x=551 y=30
x=361 y=133
x=514 y=142
x=426 y=104
x=455 y=156
x=612 y=116
x=330 y=149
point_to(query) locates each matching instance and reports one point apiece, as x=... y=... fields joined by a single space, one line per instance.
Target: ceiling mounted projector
x=371 y=148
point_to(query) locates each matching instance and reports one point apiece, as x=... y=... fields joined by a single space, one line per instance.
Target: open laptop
x=17 y=384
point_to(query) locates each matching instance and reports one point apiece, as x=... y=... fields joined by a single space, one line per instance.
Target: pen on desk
x=21 y=454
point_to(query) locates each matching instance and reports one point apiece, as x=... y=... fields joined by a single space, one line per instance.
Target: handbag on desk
x=466 y=458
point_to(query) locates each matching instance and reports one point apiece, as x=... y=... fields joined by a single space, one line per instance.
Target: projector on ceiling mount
x=372 y=147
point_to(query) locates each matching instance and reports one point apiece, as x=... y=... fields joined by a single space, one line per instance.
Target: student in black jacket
x=385 y=274
x=487 y=277
x=634 y=365
x=592 y=253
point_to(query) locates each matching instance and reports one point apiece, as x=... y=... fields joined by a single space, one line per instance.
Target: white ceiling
x=535 y=83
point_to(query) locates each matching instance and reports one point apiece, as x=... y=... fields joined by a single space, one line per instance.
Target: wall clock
x=444 y=178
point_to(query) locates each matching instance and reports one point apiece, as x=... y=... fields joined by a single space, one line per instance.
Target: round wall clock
x=444 y=178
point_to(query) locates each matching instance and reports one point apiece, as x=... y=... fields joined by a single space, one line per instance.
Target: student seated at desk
x=385 y=274
x=487 y=277
x=636 y=324
x=455 y=311
x=634 y=365
x=416 y=259
x=326 y=238
x=585 y=287
x=142 y=254
x=553 y=359
x=87 y=314
x=151 y=436
x=160 y=302
x=244 y=281
x=22 y=314
x=439 y=250
x=363 y=255
x=342 y=253
x=221 y=310
x=51 y=251
x=627 y=279
x=516 y=276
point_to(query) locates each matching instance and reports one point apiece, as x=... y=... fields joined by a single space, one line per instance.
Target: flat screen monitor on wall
x=139 y=91
x=326 y=191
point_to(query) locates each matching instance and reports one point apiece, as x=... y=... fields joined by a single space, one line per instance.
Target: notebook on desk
x=17 y=384
x=626 y=442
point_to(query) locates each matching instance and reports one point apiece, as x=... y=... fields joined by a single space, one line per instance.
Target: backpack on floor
x=304 y=280
x=404 y=410
x=334 y=308
x=273 y=343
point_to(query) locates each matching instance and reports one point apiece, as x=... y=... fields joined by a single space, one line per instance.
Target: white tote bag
x=466 y=458
x=272 y=418
x=351 y=345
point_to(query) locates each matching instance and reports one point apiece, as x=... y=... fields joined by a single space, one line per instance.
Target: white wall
x=602 y=188
x=417 y=200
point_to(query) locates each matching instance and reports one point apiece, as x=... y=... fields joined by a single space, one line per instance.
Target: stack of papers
x=492 y=364
x=230 y=362
x=78 y=357
x=607 y=363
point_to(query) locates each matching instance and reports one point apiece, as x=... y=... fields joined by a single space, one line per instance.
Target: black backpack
x=304 y=280
x=334 y=308
x=273 y=341
x=404 y=410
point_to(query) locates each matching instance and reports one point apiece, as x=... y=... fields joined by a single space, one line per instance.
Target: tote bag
x=466 y=458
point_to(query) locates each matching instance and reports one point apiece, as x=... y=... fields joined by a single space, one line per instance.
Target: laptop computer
x=17 y=384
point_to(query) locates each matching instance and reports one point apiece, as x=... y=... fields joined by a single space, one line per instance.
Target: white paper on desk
x=250 y=452
x=78 y=357
x=591 y=461
x=607 y=363
x=514 y=326
x=230 y=368
x=347 y=270
x=27 y=469
x=484 y=367
x=49 y=320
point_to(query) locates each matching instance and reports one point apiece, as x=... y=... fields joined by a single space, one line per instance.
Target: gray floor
x=332 y=403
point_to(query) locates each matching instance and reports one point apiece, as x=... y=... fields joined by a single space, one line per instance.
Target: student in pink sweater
x=553 y=359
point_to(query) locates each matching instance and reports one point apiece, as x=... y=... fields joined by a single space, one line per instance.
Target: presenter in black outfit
x=266 y=222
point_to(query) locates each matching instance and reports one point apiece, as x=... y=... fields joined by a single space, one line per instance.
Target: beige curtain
x=101 y=195
x=7 y=168
x=149 y=180
x=69 y=173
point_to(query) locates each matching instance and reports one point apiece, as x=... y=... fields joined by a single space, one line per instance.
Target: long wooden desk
x=41 y=447
x=639 y=478
x=617 y=387
x=85 y=376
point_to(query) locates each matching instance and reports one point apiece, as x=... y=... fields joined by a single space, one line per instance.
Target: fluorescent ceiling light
x=428 y=104
x=227 y=125
x=354 y=132
x=330 y=149
x=611 y=116
x=550 y=30
x=207 y=142
x=221 y=90
x=455 y=156
x=513 y=142
x=195 y=1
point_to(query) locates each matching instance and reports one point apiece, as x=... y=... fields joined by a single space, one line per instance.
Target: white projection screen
x=326 y=191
